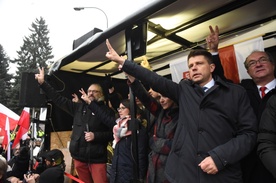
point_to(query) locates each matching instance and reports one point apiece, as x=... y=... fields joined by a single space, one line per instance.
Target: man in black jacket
x=89 y=139
x=267 y=137
x=54 y=172
x=216 y=128
x=260 y=66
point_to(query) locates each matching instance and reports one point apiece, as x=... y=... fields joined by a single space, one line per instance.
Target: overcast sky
x=64 y=23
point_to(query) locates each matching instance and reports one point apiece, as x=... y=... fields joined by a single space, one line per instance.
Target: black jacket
x=267 y=137
x=90 y=152
x=122 y=161
x=20 y=166
x=160 y=135
x=53 y=174
x=253 y=169
x=256 y=101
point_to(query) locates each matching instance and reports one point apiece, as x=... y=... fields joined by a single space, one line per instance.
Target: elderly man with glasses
x=260 y=66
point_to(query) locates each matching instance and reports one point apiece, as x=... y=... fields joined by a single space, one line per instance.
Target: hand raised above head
x=40 y=77
x=212 y=39
x=113 y=55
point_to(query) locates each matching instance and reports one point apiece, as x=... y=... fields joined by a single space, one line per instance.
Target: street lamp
x=82 y=8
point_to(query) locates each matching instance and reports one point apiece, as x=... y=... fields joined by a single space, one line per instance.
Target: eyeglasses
x=93 y=91
x=121 y=108
x=262 y=60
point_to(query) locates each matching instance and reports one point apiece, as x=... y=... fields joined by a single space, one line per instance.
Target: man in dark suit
x=260 y=66
x=267 y=138
x=211 y=136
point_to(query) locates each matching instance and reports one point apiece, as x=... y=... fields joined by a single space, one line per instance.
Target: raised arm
x=40 y=77
x=212 y=41
x=157 y=82
x=63 y=102
x=149 y=102
x=113 y=55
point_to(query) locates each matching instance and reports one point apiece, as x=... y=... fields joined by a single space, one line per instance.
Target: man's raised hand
x=40 y=77
x=113 y=55
x=84 y=96
x=212 y=39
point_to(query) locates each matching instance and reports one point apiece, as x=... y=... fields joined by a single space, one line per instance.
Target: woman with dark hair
x=161 y=130
x=122 y=161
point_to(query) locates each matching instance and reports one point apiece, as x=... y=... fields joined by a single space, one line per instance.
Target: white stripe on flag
x=242 y=50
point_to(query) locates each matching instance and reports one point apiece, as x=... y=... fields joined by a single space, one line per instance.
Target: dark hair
x=24 y=152
x=201 y=52
x=126 y=103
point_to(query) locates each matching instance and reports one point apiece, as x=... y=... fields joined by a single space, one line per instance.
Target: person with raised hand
x=161 y=130
x=260 y=65
x=122 y=161
x=216 y=126
x=89 y=139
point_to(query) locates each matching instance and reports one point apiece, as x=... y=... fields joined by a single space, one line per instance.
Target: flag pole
x=32 y=139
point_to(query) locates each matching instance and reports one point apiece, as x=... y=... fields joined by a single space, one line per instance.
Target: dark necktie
x=262 y=89
x=204 y=89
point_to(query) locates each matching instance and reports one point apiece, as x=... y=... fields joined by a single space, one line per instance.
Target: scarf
x=120 y=130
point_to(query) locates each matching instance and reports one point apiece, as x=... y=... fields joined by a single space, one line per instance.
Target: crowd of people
x=203 y=129
x=18 y=169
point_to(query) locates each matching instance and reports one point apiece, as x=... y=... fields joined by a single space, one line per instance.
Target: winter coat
x=20 y=166
x=84 y=120
x=219 y=123
x=161 y=135
x=267 y=137
x=256 y=101
x=122 y=161
x=53 y=174
x=253 y=169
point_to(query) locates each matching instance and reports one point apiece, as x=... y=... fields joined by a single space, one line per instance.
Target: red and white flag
x=24 y=123
x=232 y=58
x=6 y=140
x=13 y=119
